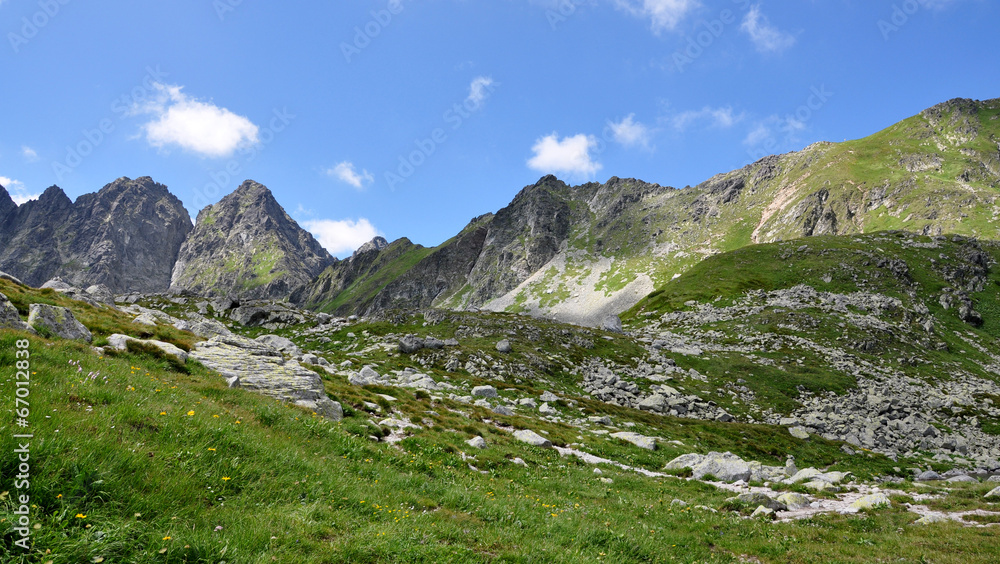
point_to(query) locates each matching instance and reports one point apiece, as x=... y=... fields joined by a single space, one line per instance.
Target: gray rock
x=504 y=346
x=58 y=321
x=963 y=479
x=993 y=479
x=872 y=501
x=612 y=324
x=798 y=432
x=995 y=492
x=263 y=369
x=930 y=519
x=503 y=410
x=433 y=343
x=10 y=318
x=759 y=499
x=410 y=344
x=763 y=512
x=532 y=438
x=208 y=328
x=725 y=467
x=102 y=294
x=655 y=402
x=485 y=392
x=793 y=500
x=546 y=409
x=5 y=276
x=310 y=358
x=641 y=441
x=928 y=476
x=548 y=396
x=476 y=442
x=145 y=319
x=120 y=342
x=281 y=343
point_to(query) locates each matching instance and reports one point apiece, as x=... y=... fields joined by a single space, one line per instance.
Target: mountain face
x=125 y=236
x=581 y=253
x=246 y=246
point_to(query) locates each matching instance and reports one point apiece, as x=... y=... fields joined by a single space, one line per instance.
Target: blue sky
x=410 y=117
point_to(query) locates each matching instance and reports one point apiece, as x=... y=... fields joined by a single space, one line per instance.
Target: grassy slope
x=837 y=264
x=153 y=465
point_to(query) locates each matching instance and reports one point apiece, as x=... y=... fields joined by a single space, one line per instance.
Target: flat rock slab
x=120 y=342
x=58 y=321
x=532 y=438
x=725 y=467
x=641 y=441
x=263 y=369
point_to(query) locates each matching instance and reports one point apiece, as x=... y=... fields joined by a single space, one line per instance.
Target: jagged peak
x=376 y=244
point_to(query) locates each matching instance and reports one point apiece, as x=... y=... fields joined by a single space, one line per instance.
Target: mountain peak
x=7 y=204
x=246 y=245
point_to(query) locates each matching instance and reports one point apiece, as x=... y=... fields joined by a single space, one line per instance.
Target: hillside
x=175 y=450
x=580 y=253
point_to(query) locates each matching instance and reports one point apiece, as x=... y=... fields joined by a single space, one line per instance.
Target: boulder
x=995 y=492
x=725 y=467
x=759 y=499
x=120 y=342
x=208 y=328
x=58 y=321
x=641 y=441
x=504 y=346
x=485 y=392
x=872 y=501
x=503 y=410
x=546 y=409
x=763 y=512
x=655 y=402
x=963 y=478
x=281 y=343
x=10 y=318
x=410 y=344
x=612 y=324
x=476 y=442
x=263 y=369
x=798 y=432
x=532 y=438
x=145 y=319
x=793 y=500
x=928 y=476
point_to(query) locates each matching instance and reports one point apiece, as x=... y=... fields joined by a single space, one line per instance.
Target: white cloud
x=722 y=117
x=629 y=132
x=16 y=190
x=341 y=236
x=480 y=89
x=664 y=14
x=767 y=38
x=758 y=135
x=29 y=154
x=345 y=172
x=571 y=155
x=196 y=126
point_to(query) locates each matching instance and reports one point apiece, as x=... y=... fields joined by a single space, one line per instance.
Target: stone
x=281 y=343
x=5 y=276
x=821 y=486
x=145 y=319
x=793 y=501
x=725 y=467
x=962 y=479
x=641 y=441
x=476 y=442
x=655 y=402
x=432 y=343
x=310 y=359
x=873 y=501
x=58 y=321
x=995 y=492
x=208 y=328
x=120 y=342
x=798 y=432
x=503 y=410
x=10 y=318
x=760 y=499
x=485 y=392
x=546 y=409
x=763 y=512
x=532 y=438
x=804 y=475
x=928 y=476
x=612 y=324
x=504 y=346
x=263 y=369
x=993 y=479
x=548 y=396
x=600 y=419
x=930 y=519
x=410 y=344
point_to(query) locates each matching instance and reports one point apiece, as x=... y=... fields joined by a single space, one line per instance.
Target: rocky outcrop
x=246 y=246
x=126 y=236
x=57 y=322
x=258 y=367
x=10 y=318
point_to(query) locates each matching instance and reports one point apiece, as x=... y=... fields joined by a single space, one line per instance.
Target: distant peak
x=376 y=244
